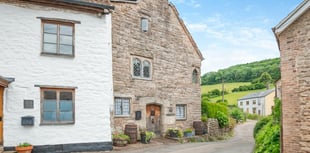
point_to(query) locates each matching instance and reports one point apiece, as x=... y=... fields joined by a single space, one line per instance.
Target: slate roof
x=257 y=94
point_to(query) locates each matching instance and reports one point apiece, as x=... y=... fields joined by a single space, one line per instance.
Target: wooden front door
x=153 y=118
x=1 y=115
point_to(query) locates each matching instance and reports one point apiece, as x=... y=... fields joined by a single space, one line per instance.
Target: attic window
x=144 y=24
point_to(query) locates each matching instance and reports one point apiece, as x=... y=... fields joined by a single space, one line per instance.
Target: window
x=58 y=38
x=254 y=102
x=57 y=106
x=241 y=103
x=195 y=76
x=254 y=110
x=258 y=112
x=141 y=68
x=121 y=106
x=247 y=102
x=247 y=110
x=144 y=24
x=180 y=112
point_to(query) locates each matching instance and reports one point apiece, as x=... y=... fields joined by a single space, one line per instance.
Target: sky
x=230 y=32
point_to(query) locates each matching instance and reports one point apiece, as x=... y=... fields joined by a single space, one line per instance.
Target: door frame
x=4 y=83
x=160 y=118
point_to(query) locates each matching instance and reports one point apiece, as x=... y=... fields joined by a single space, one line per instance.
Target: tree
x=266 y=79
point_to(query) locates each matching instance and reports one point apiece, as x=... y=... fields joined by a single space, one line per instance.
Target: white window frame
x=142 y=60
x=181 y=116
x=122 y=107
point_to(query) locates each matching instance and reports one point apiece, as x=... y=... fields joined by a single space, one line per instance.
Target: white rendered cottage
x=260 y=103
x=56 y=75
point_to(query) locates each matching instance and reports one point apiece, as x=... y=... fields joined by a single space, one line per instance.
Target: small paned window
x=144 y=24
x=195 y=76
x=241 y=103
x=141 y=68
x=57 y=106
x=58 y=38
x=146 y=69
x=121 y=106
x=136 y=67
x=254 y=102
x=247 y=102
x=180 y=112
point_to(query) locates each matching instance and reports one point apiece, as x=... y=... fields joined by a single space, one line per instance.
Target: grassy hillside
x=231 y=97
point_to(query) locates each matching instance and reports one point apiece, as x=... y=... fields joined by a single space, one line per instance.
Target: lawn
x=231 y=97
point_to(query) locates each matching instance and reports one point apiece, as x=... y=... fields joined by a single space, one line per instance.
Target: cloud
x=225 y=43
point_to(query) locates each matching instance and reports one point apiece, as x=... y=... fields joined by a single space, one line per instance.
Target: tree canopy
x=244 y=72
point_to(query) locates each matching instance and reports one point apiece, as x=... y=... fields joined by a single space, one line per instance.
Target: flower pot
x=119 y=142
x=27 y=149
x=173 y=134
x=188 y=134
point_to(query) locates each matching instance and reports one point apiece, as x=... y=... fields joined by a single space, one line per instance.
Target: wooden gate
x=153 y=118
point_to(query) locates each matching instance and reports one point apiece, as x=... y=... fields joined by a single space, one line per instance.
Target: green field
x=231 y=97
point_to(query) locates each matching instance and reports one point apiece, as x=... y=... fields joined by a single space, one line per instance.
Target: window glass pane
x=136 y=67
x=125 y=107
x=195 y=76
x=146 y=69
x=50 y=28
x=65 y=95
x=66 y=30
x=49 y=48
x=49 y=116
x=66 y=40
x=118 y=107
x=66 y=116
x=49 y=95
x=50 y=38
x=180 y=112
x=49 y=105
x=65 y=105
x=66 y=49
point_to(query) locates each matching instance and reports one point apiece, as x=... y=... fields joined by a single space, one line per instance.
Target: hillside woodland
x=244 y=72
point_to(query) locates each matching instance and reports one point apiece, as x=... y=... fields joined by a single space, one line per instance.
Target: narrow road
x=241 y=142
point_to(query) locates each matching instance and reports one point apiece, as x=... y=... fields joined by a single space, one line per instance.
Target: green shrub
x=222 y=119
x=276 y=113
x=252 y=116
x=204 y=118
x=268 y=139
x=121 y=136
x=211 y=109
x=260 y=124
x=237 y=114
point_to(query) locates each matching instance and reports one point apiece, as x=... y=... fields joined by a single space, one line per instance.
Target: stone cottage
x=156 y=67
x=293 y=36
x=56 y=75
x=260 y=103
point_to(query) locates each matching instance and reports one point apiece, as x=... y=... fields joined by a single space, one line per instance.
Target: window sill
x=57 y=55
x=140 y=78
x=56 y=123
x=181 y=119
x=122 y=116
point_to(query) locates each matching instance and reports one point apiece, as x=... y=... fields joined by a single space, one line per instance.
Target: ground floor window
x=57 y=106
x=121 y=106
x=180 y=112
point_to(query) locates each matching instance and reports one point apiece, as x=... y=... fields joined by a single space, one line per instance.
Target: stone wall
x=172 y=54
x=294 y=45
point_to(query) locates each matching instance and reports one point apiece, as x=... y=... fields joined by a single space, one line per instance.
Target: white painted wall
x=90 y=71
x=251 y=105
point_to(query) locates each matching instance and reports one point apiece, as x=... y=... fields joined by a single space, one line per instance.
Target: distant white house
x=56 y=86
x=260 y=103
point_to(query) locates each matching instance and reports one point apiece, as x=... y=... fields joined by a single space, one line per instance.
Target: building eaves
x=186 y=31
x=290 y=18
x=4 y=81
x=75 y=4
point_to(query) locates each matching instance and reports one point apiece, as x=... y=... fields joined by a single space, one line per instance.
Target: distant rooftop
x=257 y=94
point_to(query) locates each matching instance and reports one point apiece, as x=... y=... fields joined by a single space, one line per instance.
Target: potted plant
x=24 y=148
x=175 y=133
x=188 y=132
x=146 y=136
x=120 y=140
